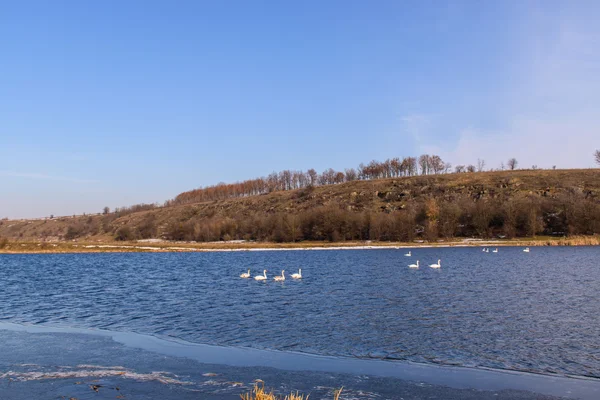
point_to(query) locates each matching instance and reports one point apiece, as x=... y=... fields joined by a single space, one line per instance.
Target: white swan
x=438 y=265
x=414 y=265
x=245 y=274
x=487 y=250
x=526 y=249
x=495 y=250
x=298 y=275
x=280 y=278
x=483 y=249
x=262 y=277
x=408 y=254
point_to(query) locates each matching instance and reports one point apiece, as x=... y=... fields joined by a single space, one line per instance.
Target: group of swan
x=436 y=266
x=486 y=250
x=278 y=278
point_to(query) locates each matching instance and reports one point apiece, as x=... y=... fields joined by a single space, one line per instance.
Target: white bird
x=245 y=274
x=487 y=250
x=408 y=254
x=526 y=249
x=262 y=277
x=298 y=275
x=438 y=265
x=495 y=250
x=414 y=265
x=280 y=278
x=483 y=249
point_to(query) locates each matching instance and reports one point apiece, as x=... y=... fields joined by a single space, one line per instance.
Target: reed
x=337 y=393
x=259 y=393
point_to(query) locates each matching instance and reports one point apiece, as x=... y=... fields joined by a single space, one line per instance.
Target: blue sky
x=119 y=102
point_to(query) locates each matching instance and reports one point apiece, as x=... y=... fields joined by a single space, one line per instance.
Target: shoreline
x=455 y=377
x=34 y=247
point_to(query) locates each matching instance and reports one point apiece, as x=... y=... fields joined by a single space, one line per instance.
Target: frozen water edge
x=453 y=377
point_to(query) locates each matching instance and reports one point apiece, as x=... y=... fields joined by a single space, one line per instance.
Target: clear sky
x=111 y=103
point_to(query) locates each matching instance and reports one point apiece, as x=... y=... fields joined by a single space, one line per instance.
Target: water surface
x=532 y=312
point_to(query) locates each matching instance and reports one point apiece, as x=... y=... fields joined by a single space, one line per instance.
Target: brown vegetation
x=259 y=393
x=504 y=204
x=293 y=180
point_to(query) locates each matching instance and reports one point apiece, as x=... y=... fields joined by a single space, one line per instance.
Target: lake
x=535 y=312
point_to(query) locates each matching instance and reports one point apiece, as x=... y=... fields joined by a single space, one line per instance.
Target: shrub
x=125 y=233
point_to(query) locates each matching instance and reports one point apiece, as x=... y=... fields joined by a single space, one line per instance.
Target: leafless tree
x=436 y=164
x=597 y=156
x=312 y=177
x=395 y=165
x=480 y=165
x=105 y=210
x=471 y=168
x=351 y=174
x=459 y=169
x=512 y=163
x=424 y=164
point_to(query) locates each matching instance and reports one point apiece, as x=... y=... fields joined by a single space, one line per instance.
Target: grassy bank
x=14 y=247
x=405 y=209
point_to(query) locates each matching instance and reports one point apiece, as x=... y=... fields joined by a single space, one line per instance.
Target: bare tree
x=105 y=210
x=436 y=164
x=351 y=174
x=480 y=165
x=512 y=163
x=424 y=164
x=597 y=156
x=312 y=177
x=502 y=167
x=459 y=169
x=471 y=168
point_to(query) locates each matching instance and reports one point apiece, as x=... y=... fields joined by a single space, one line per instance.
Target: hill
x=508 y=204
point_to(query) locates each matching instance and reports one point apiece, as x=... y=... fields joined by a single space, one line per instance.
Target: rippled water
x=534 y=312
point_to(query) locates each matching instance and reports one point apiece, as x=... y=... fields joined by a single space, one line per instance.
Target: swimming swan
x=245 y=274
x=526 y=249
x=414 y=265
x=408 y=254
x=262 y=277
x=280 y=278
x=438 y=265
x=495 y=250
x=298 y=275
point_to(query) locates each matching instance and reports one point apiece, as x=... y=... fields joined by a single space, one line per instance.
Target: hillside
x=486 y=204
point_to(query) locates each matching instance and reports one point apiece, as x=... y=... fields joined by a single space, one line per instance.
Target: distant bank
x=444 y=208
x=166 y=246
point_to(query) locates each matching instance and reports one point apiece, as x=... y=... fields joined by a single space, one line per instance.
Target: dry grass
x=259 y=393
x=357 y=196
x=337 y=393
